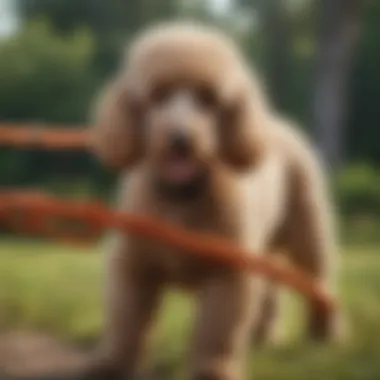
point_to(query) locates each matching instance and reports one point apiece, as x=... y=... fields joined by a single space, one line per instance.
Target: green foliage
x=52 y=67
x=363 y=132
x=112 y=22
x=45 y=76
x=358 y=191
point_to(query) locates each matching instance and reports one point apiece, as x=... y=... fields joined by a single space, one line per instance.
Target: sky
x=8 y=22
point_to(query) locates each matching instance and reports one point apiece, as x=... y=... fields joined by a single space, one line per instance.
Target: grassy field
x=56 y=289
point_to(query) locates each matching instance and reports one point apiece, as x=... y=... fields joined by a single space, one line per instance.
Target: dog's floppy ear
x=243 y=125
x=115 y=134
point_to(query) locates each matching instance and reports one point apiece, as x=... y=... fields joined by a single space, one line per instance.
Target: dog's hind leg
x=265 y=325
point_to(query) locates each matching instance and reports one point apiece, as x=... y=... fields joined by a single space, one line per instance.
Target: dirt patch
x=29 y=355
x=38 y=356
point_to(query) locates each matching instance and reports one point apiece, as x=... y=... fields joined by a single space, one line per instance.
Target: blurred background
x=321 y=63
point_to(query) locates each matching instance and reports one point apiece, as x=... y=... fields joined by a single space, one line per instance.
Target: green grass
x=57 y=289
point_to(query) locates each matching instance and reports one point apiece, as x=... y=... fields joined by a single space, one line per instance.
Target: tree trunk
x=276 y=33
x=339 y=26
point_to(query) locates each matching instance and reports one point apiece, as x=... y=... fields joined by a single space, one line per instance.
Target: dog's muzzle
x=179 y=144
x=191 y=190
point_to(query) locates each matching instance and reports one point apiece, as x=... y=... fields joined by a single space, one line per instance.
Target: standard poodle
x=187 y=124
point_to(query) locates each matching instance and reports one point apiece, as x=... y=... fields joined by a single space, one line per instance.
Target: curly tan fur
x=265 y=190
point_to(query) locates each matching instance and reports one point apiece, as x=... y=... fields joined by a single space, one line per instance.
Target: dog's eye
x=160 y=94
x=206 y=97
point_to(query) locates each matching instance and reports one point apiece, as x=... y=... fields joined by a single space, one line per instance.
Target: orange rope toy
x=43 y=137
x=41 y=214
x=41 y=207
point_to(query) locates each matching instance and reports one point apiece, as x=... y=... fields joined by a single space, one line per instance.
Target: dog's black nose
x=180 y=143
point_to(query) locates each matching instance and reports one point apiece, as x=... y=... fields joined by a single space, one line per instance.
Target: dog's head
x=182 y=101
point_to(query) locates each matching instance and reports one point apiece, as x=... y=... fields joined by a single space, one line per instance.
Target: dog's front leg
x=132 y=297
x=227 y=306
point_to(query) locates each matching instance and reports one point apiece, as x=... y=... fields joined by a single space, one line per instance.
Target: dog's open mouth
x=179 y=170
x=182 y=178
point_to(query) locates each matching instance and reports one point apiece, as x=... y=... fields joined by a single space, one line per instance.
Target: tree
x=44 y=78
x=112 y=21
x=338 y=35
x=277 y=49
x=363 y=134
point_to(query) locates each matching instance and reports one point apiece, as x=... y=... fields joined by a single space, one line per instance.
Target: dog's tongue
x=179 y=170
